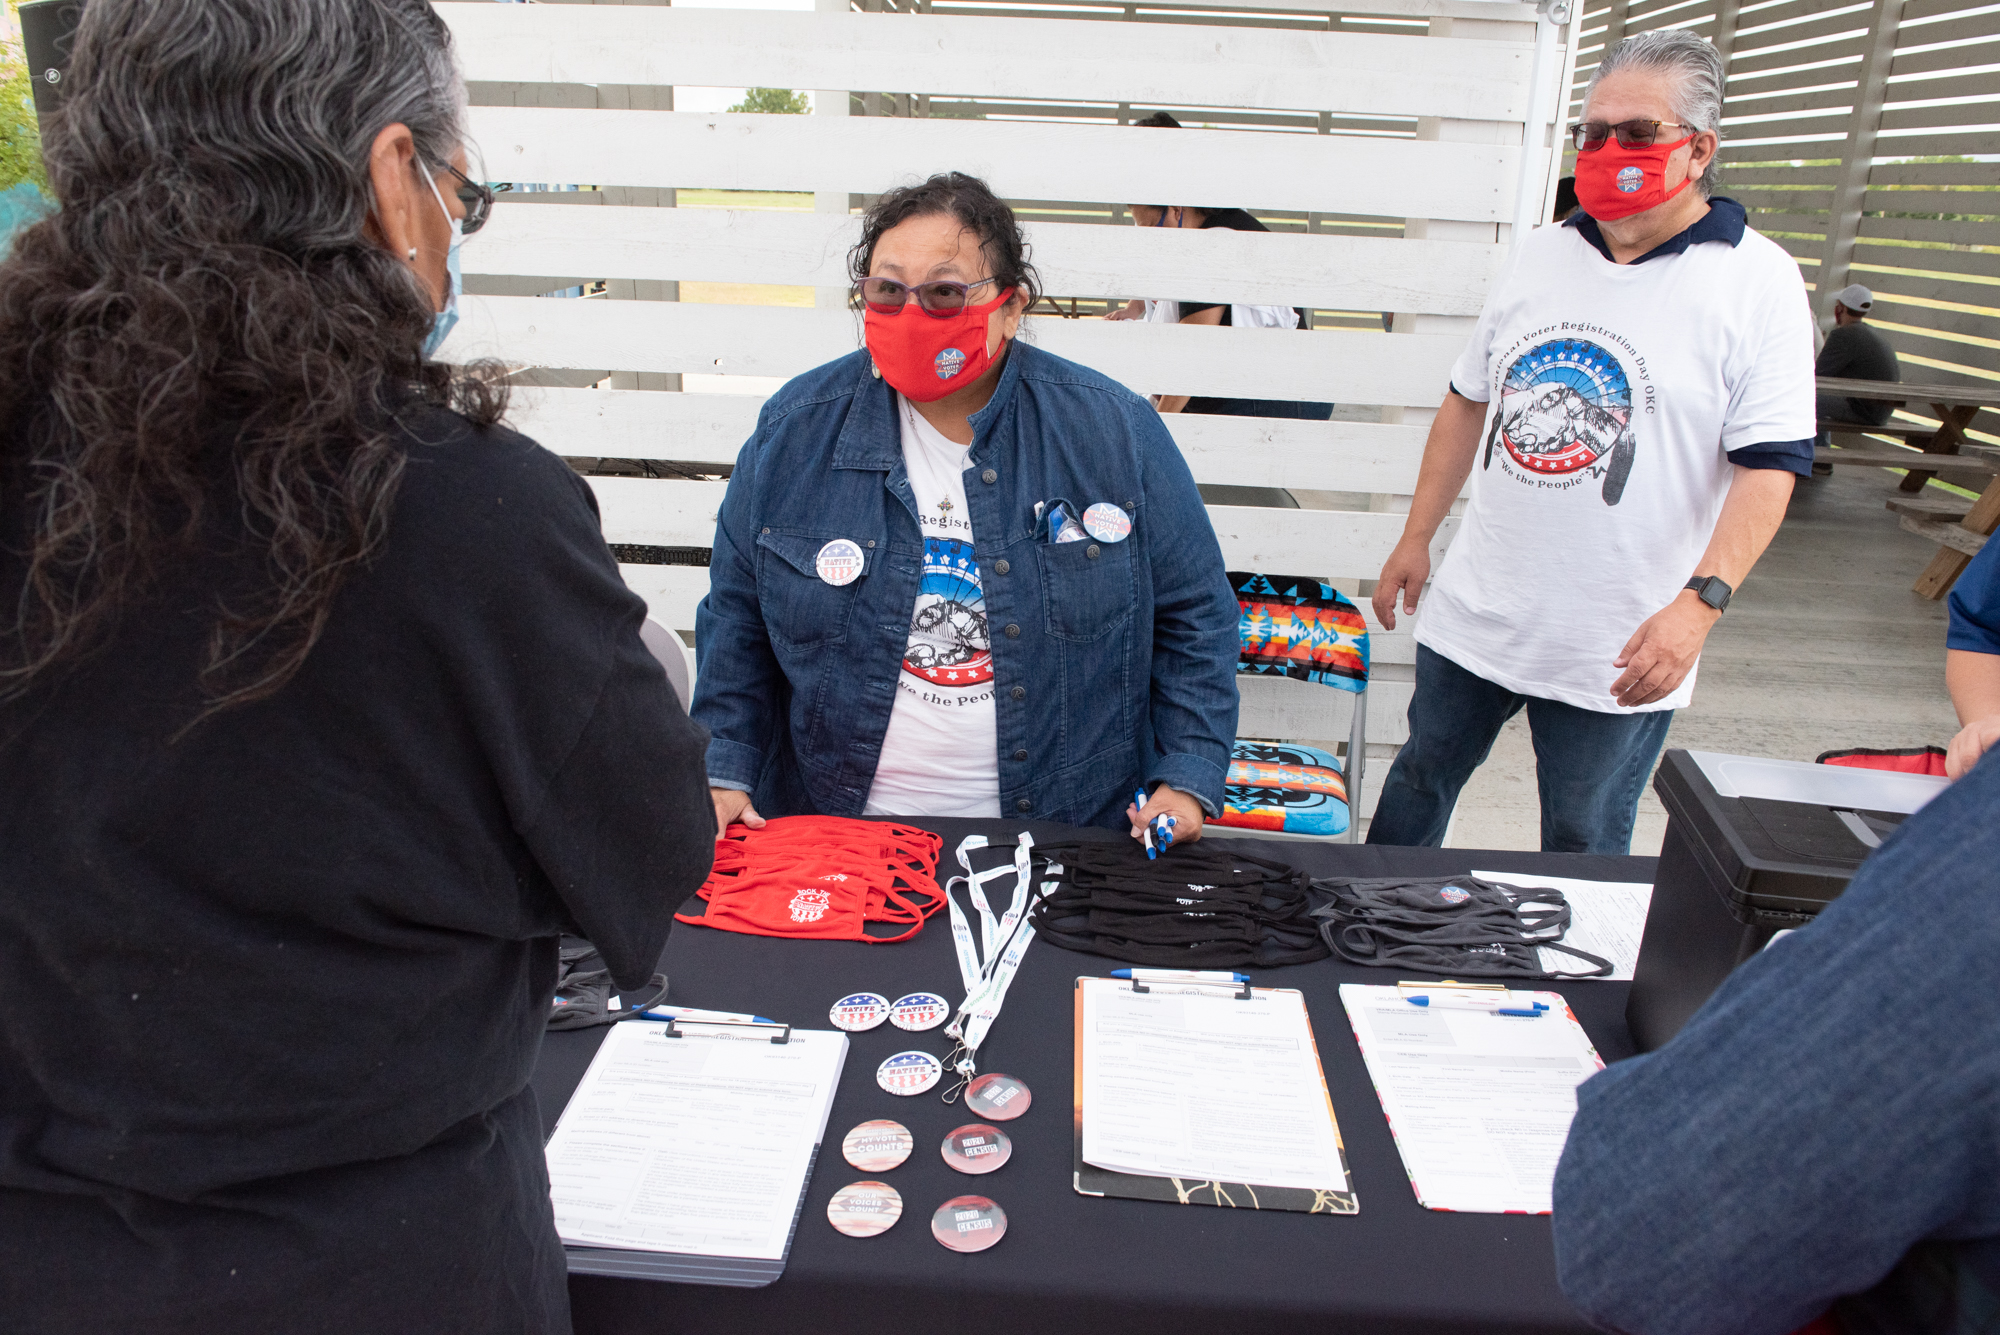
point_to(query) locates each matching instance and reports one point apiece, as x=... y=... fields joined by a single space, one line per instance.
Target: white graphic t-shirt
x=1614 y=393
x=941 y=755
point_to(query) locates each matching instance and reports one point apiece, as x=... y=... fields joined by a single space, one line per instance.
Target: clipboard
x=627 y=1099
x=1091 y=1180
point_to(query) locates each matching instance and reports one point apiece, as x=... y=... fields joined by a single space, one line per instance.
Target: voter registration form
x=697 y=1145
x=1204 y=1084
x=1479 y=1103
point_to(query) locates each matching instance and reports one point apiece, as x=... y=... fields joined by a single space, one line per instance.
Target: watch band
x=1711 y=589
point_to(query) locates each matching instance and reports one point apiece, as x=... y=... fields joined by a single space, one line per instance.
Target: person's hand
x=1167 y=801
x=1970 y=744
x=1404 y=572
x=733 y=805
x=1662 y=651
x=1131 y=310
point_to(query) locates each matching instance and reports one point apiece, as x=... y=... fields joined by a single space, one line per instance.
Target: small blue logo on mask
x=949 y=363
x=1630 y=179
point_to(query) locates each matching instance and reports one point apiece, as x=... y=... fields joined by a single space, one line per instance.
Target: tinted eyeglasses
x=1590 y=135
x=886 y=296
x=477 y=199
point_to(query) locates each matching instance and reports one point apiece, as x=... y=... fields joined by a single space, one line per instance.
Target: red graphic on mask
x=822 y=878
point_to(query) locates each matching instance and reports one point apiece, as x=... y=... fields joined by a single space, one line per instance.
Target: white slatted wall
x=1466 y=80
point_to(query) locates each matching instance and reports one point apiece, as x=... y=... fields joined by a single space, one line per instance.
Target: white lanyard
x=1005 y=940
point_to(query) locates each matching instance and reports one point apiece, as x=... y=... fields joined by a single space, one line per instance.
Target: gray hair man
x=1632 y=409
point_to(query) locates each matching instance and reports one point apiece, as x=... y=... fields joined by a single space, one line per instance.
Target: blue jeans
x=1590 y=767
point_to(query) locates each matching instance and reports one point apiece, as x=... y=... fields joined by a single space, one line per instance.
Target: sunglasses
x=477 y=200
x=886 y=296
x=1590 y=135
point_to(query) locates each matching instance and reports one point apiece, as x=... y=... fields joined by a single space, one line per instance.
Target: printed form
x=698 y=1145
x=1190 y=1083
x=1479 y=1103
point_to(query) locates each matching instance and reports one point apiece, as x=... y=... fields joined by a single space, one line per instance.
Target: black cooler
x=1753 y=847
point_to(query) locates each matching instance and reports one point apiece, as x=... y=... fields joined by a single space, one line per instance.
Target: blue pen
x=1163 y=831
x=1167 y=975
x=1139 y=801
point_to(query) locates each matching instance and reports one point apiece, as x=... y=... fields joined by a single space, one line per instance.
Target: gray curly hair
x=1697 y=71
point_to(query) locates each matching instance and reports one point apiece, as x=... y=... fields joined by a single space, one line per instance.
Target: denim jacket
x=1114 y=663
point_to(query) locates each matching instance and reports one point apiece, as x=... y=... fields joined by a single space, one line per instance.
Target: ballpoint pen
x=1139 y=802
x=1181 y=975
x=1489 y=1005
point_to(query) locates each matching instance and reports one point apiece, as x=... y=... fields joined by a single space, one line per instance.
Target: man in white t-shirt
x=1632 y=410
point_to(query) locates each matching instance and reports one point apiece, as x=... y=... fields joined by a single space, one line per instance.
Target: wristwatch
x=1711 y=590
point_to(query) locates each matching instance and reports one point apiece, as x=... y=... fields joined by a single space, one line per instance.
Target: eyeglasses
x=477 y=199
x=886 y=296
x=1590 y=135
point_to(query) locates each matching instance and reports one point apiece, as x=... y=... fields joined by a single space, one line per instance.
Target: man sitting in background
x=1854 y=351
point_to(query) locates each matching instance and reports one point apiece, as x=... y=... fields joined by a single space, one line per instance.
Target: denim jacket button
x=1013 y=632
x=1019 y=692
x=1001 y=567
x=1091 y=551
x=1020 y=755
x=989 y=477
x=1024 y=805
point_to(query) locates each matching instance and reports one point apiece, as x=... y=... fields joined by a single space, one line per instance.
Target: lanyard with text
x=1004 y=939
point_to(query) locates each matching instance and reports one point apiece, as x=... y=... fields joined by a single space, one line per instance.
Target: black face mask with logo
x=1203 y=908
x=1460 y=926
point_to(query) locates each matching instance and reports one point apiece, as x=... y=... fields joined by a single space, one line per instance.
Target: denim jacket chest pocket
x=799 y=607
x=1088 y=588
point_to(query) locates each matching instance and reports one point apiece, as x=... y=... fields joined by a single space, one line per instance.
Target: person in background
x=957 y=576
x=1565 y=200
x=1855 y=351
x=1198 y=312
x=1972 y=660
x=1824 y=1133
x=323 y=709
x=1633 y=408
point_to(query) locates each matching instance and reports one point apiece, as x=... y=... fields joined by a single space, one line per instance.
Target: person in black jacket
x=323 y=709
x=1855 y=351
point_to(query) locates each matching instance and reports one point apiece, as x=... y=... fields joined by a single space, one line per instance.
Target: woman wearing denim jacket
x=957 y=576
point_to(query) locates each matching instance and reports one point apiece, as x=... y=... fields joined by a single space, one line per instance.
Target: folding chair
x=1300 y=629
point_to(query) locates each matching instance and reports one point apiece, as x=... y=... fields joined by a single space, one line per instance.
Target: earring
x=413 y=254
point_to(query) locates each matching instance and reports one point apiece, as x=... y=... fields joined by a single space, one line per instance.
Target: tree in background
x=20 y=133
x=773 y=101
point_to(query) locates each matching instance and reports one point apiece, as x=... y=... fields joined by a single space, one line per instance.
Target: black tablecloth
x=1075 y=1263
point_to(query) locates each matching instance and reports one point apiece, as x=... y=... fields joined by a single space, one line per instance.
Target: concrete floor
x=1825 y=647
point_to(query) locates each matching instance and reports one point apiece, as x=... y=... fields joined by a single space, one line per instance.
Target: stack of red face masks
x=822 y=878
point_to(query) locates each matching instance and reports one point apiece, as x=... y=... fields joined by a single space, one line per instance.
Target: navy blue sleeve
x=1975 y=604
x=1793 y=456
x=1835 y=1102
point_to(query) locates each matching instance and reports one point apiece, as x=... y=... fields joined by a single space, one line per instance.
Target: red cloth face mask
x=1616 y=182
x=821 y=878
x=925 y=357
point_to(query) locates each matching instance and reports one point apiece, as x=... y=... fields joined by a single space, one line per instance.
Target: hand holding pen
x=1164 y=818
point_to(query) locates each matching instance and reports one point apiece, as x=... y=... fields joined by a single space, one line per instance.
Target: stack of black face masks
x=1456 y=925
x=1200 y=908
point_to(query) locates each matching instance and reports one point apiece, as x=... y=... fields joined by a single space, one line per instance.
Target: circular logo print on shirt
x=977 y=1148
x=839 y=562
x=1630 y=179
x=1563 y=405
x=1001 y=1098
x=949 y=644
x=909 y=1073
x=1106 y=522
x=949 y=363
x=863 y=1209
x=969 y=1223
x=919 y=1011
x=863 y=1010
x=1453 y=894
x=878 y=1146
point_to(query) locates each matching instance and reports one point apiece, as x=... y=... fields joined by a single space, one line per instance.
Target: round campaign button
x=909 y=1073
x=878 y=1146
x=977 y=1148
x=969 y=1223
x=862 y=1010
x=919 y=1011
x=863 y=1209
x=839 y=562
x=1107 y=523
x=999 y=1097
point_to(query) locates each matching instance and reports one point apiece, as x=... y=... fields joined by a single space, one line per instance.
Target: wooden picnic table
x=1955 y=407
